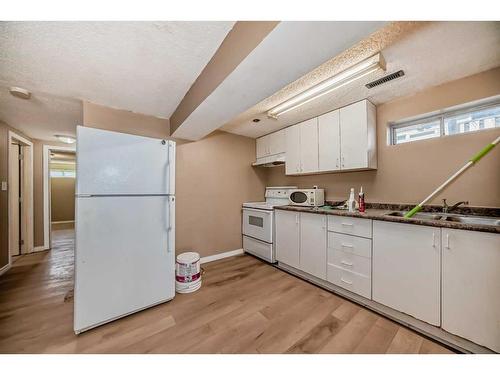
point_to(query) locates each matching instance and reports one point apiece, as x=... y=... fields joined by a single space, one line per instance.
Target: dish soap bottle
x=361 y=200
x=351 y=203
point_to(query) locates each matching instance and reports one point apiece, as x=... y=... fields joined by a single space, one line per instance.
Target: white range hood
x=270 y=161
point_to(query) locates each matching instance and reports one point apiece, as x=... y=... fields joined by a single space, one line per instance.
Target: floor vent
x=385 y=79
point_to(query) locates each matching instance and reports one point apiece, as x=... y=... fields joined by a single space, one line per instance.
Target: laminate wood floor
x=244 y=306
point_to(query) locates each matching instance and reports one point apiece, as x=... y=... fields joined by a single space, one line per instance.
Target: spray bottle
x=361 y=200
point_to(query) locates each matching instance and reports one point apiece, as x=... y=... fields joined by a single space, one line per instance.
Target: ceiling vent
x=385 y=79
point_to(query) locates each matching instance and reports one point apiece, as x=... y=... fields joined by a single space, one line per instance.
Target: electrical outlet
x=4 y=185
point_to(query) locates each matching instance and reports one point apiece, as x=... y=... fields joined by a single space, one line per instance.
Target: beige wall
x=407 y=173
x=98 y=116
x=213 y=178
x=62 y=200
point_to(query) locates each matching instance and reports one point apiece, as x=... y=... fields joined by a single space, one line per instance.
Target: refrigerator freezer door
x=110 y=163
x=124 y=257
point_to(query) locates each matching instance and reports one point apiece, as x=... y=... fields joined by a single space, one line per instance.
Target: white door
x=353 y=136
x=329 y=142
x=309 y=146
x=258 y=224
x=313 y=244
x=262 y=146
x=111 y=163
x=471 y=286
x=287 y=237
x=124 y=256
x=277 y=142
x=406 y=269
x=292 y=147
x=14 y=212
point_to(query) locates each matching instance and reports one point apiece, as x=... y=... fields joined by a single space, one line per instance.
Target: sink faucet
x=447 y=208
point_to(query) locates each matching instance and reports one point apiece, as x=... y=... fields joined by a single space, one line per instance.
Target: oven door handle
x=264 y=212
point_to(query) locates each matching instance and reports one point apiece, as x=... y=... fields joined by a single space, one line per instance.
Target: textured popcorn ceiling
x=430 y=53
x=145 y=67
x=290 y=50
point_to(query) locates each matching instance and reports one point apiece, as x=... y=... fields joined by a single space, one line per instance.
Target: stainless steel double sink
x=465 y=219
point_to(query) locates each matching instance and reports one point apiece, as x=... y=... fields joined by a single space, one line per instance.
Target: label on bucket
x=186 y=273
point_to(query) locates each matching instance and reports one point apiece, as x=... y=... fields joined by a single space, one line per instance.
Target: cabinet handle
x=447 y=244
x=297 y=219
x=324 y=223
x=346 y=263
x=346 y=245
x=337 y=163
x=345 y=281
x=433 y=239
x=347 y=224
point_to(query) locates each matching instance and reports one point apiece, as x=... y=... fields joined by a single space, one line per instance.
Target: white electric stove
x=258 y=222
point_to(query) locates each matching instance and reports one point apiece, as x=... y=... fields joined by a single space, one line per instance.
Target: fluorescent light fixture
x=66 y=138
x=349 y=75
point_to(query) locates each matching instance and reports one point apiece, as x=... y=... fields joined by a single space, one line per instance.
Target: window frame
x=440 y=115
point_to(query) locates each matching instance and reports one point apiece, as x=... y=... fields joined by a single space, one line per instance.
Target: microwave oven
x=307 y=197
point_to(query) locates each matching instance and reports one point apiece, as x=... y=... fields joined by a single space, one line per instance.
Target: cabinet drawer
x=350 y=225
x=350 y=244
x=351 y=281
x=258 y=248
x=350 y=262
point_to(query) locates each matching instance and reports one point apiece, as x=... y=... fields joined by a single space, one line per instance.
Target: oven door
x=258 y=224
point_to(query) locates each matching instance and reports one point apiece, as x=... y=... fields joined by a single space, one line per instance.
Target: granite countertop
x=379 y=212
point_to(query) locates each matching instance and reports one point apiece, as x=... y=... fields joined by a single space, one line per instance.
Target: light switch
x=4 y=185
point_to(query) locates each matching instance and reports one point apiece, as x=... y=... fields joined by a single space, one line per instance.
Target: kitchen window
x=466 y=120
x=62 y=173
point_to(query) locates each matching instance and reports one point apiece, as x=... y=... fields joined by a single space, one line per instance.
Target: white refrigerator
x=125 y=225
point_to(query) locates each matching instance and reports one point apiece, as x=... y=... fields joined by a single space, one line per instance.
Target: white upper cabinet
x=344 y=139
x=407 y=269
x=309 y=146
x=471 y=286
x=292 y=146
x=270 y=144
x=329 y=142
x=357 y=136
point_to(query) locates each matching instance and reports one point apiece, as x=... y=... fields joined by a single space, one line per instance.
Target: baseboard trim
x=40 y=248
x=4 y=269
x=219 y=256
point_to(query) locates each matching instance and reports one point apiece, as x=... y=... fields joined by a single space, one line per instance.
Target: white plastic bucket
x=187 y=272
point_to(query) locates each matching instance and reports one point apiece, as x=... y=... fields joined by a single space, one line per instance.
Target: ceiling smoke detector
x=19 y=92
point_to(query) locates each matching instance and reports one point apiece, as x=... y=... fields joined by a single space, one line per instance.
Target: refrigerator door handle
x=169 y=221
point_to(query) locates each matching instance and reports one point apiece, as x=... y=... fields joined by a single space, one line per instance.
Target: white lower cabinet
x=287 y=237
x=313 y=244
x=471 y=286
x=301 y=241
x=406 y=269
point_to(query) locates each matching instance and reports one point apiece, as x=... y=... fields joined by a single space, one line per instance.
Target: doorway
x=59 y=177
x=62 y=173
x=20 y=188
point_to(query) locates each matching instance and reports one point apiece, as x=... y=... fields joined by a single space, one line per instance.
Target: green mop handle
x=469 y=164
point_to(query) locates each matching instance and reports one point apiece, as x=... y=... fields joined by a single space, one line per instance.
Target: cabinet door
x=262 y=146
x=406 y=269
x=313 y=244
x=292 y=149
x=354 y=136
x=329 y=142
x=471 y=286
x=309 y=146
x=277 y=142
x=287 y=237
